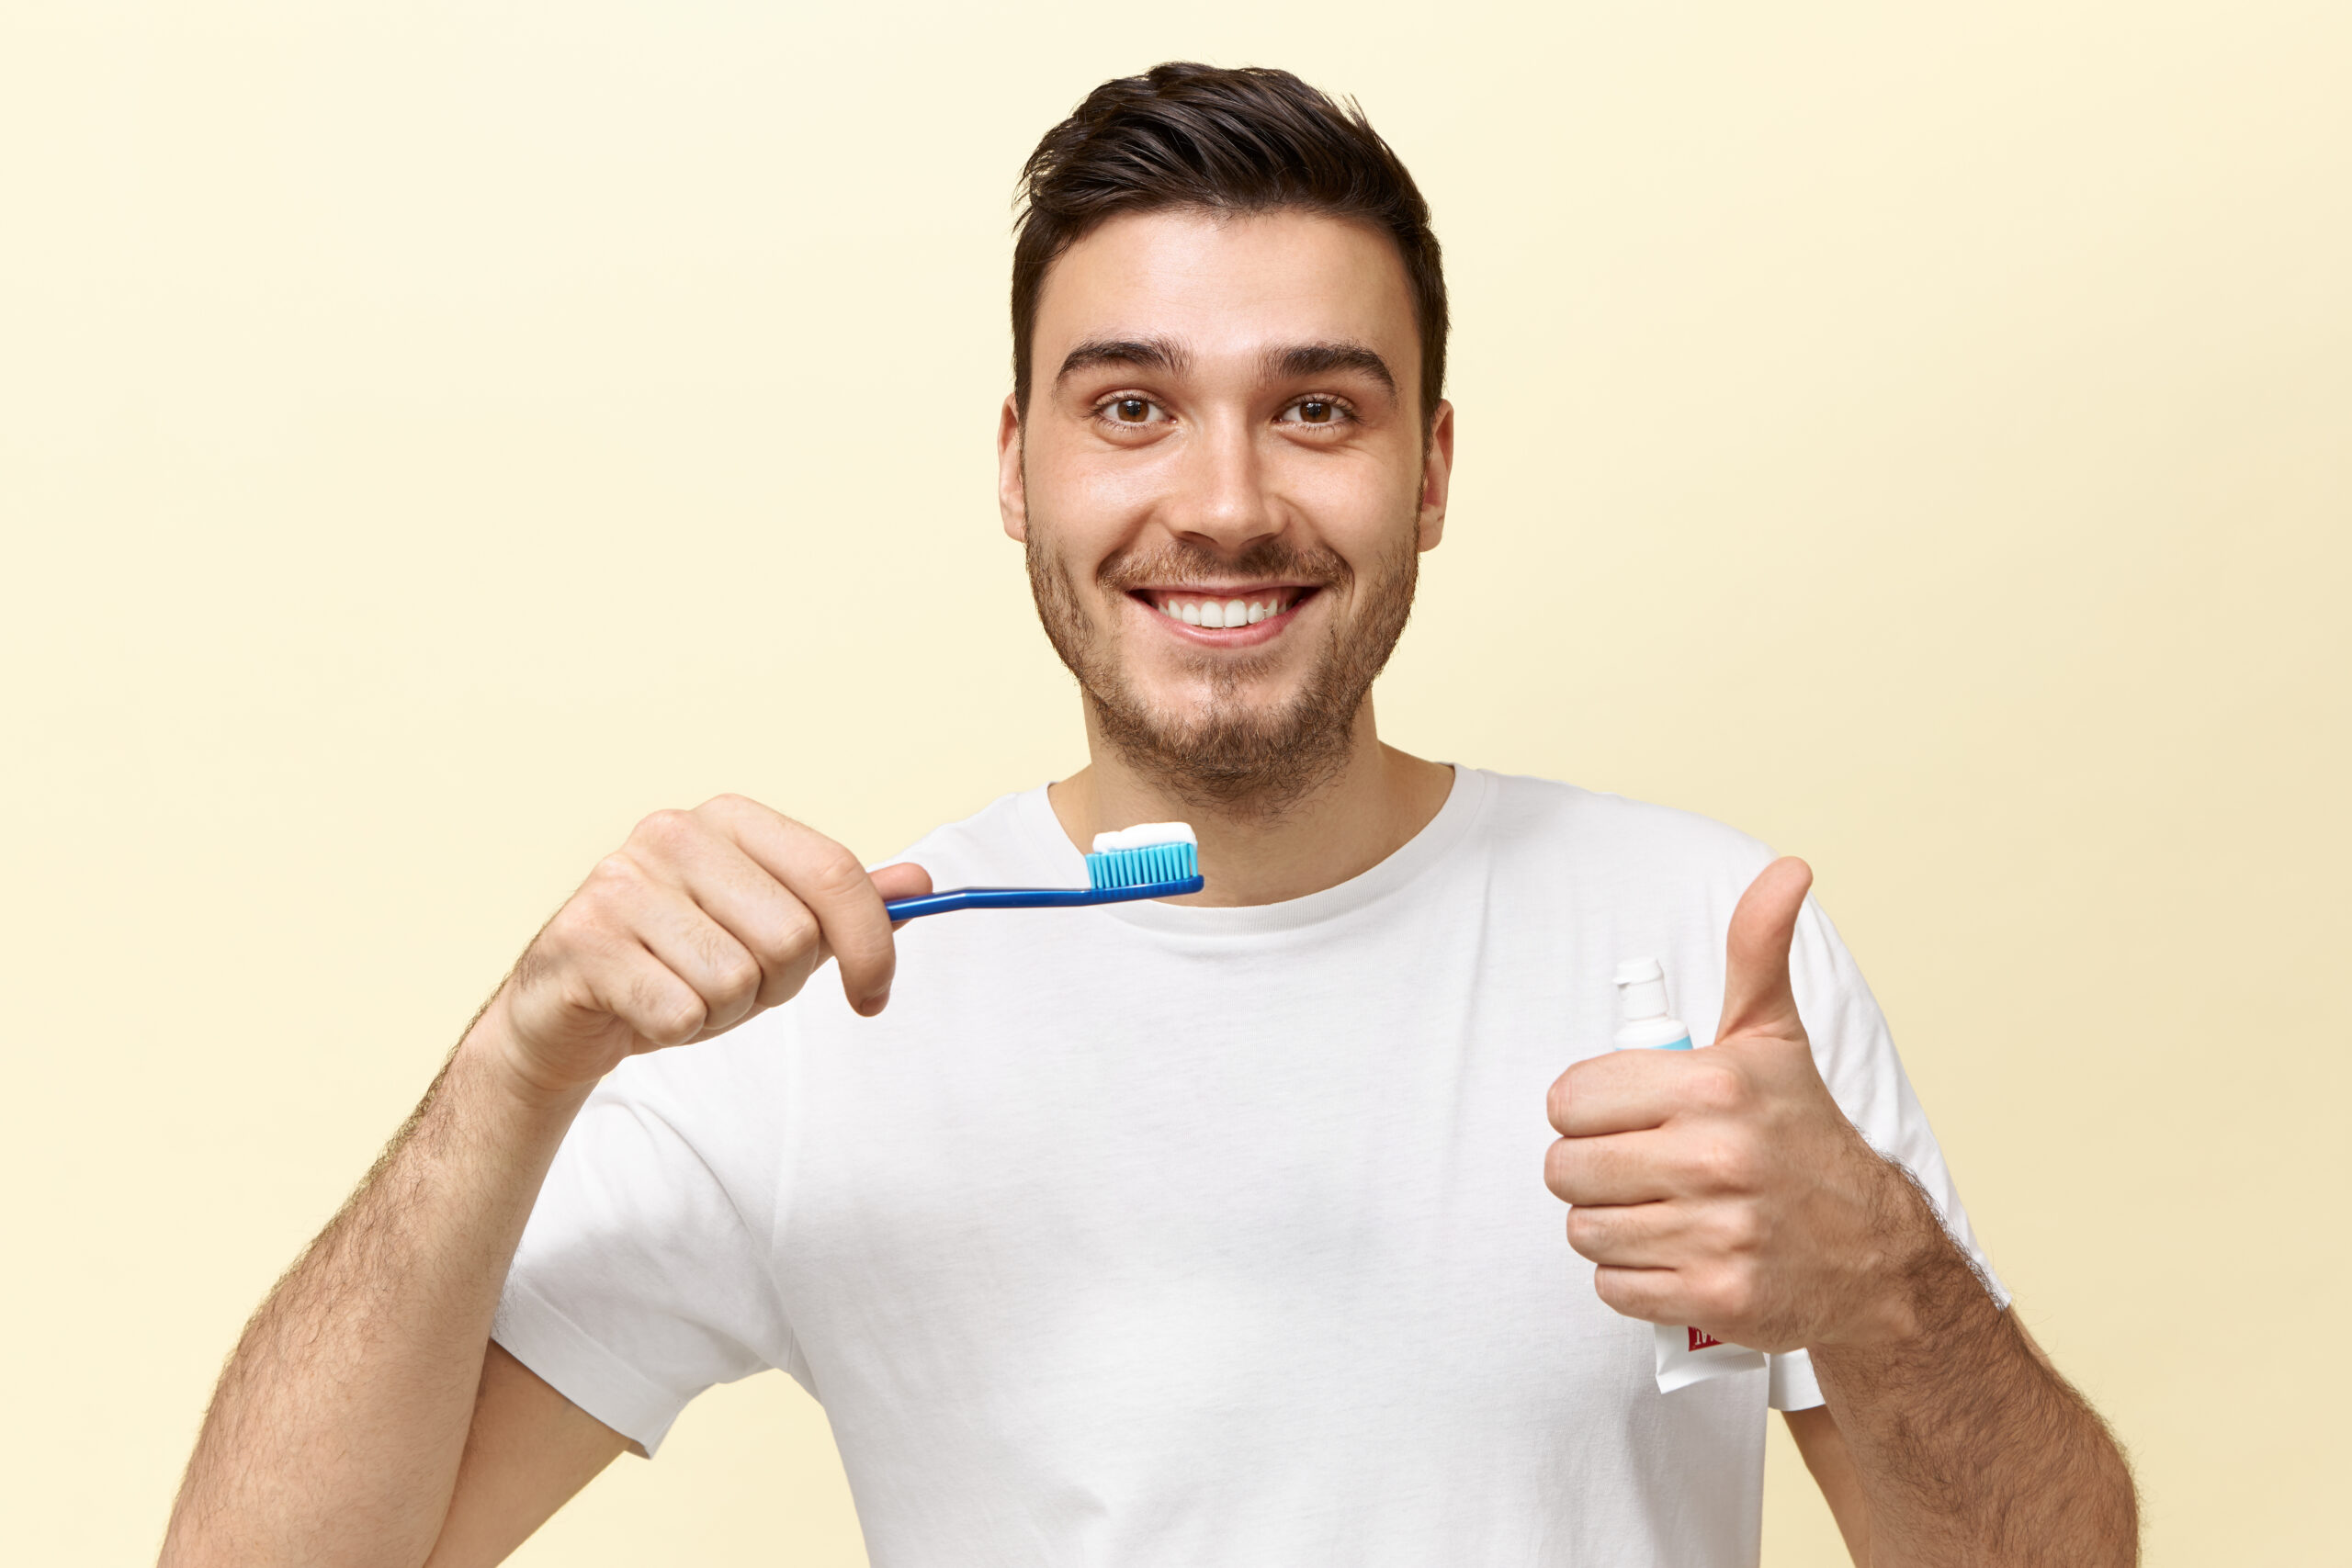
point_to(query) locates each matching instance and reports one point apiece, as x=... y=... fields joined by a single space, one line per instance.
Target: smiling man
x=1211 y=1231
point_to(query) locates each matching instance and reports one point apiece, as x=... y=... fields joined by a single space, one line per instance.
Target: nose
x=1220 y=499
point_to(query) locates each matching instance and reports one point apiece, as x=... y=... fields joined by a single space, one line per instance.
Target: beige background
x=431 y=435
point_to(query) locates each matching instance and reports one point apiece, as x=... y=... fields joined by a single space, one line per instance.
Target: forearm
x=335 y=1433
x=1967 y=1447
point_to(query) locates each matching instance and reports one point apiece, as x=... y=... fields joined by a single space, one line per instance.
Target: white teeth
x=1220 y=614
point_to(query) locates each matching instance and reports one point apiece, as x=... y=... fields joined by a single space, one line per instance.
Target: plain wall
x=433 y=435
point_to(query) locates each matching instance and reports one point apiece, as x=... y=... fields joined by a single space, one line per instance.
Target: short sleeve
x=1789 y=1385
x=1856 y=1054
x=641 y=1279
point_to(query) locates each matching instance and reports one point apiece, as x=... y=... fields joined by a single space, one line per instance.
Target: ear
x=1437 y=476
x=1011 y=487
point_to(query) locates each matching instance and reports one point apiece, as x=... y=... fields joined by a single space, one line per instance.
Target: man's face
x=1223 y=481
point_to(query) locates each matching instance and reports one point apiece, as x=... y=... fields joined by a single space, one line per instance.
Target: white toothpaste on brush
x=1685 y=1355
x=1144 y=835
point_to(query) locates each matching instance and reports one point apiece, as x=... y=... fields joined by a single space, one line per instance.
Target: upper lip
x=1222 y=590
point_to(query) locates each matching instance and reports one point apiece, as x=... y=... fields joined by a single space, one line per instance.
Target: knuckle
x=1730 y=1292
x=1739 y=1229
x=735 y=815
x=1717 y=1088
x=737 y=976
x=575 y=932
x=789 y=937
x=1557 y=1173
x=835 y=871
x=616 y=885
x=671 y=1013
x=1727 y=1165
x=664 y=829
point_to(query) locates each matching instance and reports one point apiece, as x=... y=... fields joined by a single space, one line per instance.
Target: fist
x=702 y=920
x=1724 y=1189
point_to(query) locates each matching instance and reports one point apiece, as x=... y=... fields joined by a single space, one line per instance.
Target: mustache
x=1180 y=565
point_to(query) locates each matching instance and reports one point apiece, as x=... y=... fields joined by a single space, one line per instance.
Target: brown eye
x=1315 y=411
x=1131 y=411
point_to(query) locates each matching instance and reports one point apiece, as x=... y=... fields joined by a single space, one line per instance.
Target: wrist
x=495 y=1054
x=1916 y=1286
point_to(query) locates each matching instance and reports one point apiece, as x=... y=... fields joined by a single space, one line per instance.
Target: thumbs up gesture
x=1724 y=1189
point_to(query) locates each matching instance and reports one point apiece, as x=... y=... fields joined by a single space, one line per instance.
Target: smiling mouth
x=1212 y=610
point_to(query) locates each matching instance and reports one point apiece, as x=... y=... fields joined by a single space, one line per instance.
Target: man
x=1194 y=1232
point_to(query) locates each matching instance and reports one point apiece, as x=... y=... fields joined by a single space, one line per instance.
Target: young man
x=1198 y=1232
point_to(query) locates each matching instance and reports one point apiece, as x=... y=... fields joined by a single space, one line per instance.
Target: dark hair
x=1243 y=140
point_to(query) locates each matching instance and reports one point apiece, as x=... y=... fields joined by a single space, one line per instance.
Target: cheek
x=1356 y=502
x=1088 y=510
x=1082 y=477
x=1112 y=497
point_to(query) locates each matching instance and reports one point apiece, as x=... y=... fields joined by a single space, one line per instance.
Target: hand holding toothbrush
x=1724 y=1189
x=702 y=920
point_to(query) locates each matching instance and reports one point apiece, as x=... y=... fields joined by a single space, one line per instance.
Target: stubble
x=1221 y=749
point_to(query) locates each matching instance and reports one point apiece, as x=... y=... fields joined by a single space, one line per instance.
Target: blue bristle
x=1149 y=866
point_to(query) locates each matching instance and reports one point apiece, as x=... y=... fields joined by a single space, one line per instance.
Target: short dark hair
x=1224 y=141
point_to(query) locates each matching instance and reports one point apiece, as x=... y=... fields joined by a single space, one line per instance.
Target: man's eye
x=1315 y=411
x=1131 y=411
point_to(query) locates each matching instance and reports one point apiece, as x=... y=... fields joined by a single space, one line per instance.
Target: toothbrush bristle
x=1147 y=866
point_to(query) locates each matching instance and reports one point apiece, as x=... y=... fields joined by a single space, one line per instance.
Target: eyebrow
x=1305 y=359
x=1162 y=354
x=1170 y=356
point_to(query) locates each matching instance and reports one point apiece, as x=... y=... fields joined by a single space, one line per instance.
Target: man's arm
x=530 y=1450
x=364 y=1417
x=336 y=1431
x=1724 y=1189
x=1967 y=1444
x=1831 y=1464
x=1830 y=1460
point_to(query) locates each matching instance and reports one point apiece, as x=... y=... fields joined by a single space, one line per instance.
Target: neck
x=1377 y=800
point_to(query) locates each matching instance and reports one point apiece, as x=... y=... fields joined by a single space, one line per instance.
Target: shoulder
x=1605 y=834
x=1001 y=843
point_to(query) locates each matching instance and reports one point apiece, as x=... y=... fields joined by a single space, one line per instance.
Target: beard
x=1223 y=750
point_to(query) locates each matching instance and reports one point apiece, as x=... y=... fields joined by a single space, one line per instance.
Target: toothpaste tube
x=1685 y=1355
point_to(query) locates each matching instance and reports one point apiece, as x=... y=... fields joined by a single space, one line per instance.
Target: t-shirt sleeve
x=642 y=1277
x=1856 y=1054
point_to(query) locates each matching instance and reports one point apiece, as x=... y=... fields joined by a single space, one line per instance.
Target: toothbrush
x=1156 y=860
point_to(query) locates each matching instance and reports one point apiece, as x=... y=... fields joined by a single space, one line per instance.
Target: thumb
x=901 y=879
x=1758 y=999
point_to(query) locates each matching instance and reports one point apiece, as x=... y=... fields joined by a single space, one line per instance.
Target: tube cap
x=1641 y=989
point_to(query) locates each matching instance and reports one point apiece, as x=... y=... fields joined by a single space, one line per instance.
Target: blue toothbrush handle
x=1033 y=897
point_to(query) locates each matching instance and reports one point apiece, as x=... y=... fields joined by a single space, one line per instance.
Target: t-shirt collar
x=1466 y=803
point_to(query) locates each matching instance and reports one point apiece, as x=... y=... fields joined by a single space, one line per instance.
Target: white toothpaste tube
x=1685 y=1355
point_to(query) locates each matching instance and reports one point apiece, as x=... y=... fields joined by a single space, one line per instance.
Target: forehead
x=1228 y=285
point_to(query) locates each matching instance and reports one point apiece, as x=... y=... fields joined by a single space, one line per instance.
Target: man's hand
x=701 y=920
x=1724 y=1189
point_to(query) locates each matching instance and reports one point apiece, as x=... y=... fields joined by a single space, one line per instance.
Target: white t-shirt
x=1159 y=1235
